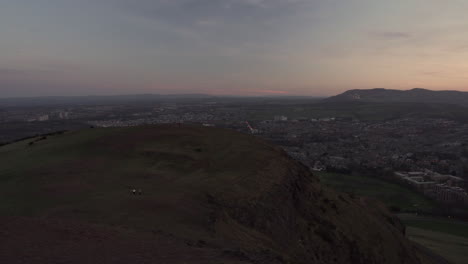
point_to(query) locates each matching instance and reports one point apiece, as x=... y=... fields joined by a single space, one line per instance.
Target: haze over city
x=230 y=47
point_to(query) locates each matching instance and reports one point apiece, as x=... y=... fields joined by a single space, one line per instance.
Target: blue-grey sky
x=235 y=47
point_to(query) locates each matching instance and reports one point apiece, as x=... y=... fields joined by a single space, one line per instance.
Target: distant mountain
x=414 y=95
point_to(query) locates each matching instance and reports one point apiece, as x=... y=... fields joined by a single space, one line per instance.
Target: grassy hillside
x=92 y=171
x=216 y=192
x=437 y=224
x=453 y=248
x=393 y=195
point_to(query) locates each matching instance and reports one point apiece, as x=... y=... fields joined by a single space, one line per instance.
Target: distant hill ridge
x=418 y=95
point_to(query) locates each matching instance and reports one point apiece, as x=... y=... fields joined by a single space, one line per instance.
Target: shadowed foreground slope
x=208 y=196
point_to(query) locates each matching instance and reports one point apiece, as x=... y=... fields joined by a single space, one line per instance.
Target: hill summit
x=417 y=95
x=202 y=195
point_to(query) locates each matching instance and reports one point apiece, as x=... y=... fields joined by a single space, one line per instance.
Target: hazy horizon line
x=278 y=95
x=164 y=95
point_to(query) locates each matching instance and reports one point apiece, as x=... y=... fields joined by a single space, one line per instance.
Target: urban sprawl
x=429 y=155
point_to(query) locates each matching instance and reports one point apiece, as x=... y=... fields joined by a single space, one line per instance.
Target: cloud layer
x=248 y=47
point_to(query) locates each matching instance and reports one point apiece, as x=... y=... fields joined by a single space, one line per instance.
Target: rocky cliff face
x=298 y=221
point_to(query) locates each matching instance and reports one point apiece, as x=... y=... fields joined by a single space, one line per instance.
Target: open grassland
x=446 y=237
x=453 y=248
x=393 y=195
x=437 y=224
x=88 y=174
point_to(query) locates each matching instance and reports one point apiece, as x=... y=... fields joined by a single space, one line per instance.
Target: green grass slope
x=216 y=189
x=391 y=194
x=445 y=236
x=439 y=224
x=453 y=248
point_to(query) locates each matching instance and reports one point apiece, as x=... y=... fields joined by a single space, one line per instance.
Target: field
x=446 y=237
x=453 y=248
x=393 y=195
x=437 y=224
x=88 y=174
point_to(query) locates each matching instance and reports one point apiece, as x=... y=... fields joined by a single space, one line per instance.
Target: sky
x=230 y=47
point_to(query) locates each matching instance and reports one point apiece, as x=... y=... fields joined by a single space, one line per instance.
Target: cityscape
x=233 y=132
x=430 y=155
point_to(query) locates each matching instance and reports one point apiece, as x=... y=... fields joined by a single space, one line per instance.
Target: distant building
x=281 y=118
x=318 y=166
x=444 y=188
x=415 y=173
x=63 y=115
x=416 y=179
x=251 y=129
x=450 y=194
x=43 y=118
x=455 y=181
